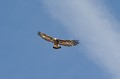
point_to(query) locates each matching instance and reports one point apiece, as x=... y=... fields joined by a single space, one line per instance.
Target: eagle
x=57 y=42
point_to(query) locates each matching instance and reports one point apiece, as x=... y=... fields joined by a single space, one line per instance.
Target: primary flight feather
x=57 y=42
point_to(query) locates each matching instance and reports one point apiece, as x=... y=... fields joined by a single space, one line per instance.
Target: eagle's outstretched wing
x=68 y=42
x=46 y=37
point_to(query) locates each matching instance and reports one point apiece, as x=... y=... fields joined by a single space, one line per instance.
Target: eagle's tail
x=56 y=47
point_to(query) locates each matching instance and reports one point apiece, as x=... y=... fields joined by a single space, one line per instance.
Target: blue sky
x=24 y=55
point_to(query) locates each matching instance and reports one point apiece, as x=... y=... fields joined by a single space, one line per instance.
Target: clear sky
x=24 y=55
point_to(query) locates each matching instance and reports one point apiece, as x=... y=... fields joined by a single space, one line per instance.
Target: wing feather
x=68 y=42
x=46 y=37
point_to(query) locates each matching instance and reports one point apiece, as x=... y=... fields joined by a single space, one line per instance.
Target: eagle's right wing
x=68 y=42
x=46 y=37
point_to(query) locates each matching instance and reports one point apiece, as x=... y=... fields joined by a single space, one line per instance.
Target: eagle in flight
x=57 y=42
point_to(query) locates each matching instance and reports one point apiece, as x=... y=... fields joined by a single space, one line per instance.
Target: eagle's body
x=57 y=42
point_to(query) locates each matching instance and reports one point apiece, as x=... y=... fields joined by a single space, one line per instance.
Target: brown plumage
x=57 y=42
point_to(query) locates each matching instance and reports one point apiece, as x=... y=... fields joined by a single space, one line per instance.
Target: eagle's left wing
x=46 y=37
x=68 y=42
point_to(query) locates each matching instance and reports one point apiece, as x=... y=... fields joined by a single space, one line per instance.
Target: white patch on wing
x=43 y=36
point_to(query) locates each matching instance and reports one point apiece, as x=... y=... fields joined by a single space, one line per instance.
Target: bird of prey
x=57 y=42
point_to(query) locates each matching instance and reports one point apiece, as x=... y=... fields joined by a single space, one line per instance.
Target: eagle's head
x=55 y=39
